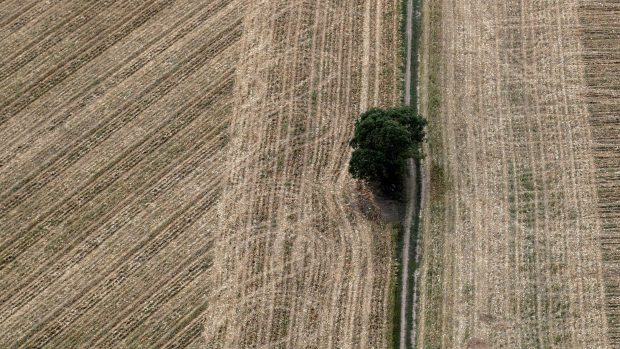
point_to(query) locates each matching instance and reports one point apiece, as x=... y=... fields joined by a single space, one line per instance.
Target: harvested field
x=173 y=173
x=524 y=169
x=600 y=23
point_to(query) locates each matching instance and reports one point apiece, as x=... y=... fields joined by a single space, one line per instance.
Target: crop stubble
x=299 y=267
x=173 y=173
x=520 y=238
x=601 y=44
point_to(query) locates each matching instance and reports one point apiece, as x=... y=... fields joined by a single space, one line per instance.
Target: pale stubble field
x=520 y=224
x=173 y=173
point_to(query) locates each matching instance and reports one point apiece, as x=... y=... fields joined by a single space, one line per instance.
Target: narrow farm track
x=527 y=142
x=173 y=173
x=407 y=326
x=407 y=333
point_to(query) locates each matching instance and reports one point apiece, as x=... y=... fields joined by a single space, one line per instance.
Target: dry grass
x=516 y=233
x=173 y=173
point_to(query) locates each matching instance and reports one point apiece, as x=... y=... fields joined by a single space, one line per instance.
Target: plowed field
x=173 y=173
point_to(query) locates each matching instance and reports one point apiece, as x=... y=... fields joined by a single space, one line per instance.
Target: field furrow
x=127 y=113
x=60 y=132
x=63 y=54
x=127 y=160
x=117 y=273
x=98 y=80
x=23 y=24
x=81 y=227
x=18 y=56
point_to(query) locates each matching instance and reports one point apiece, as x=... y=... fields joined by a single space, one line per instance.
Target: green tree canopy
x=383 y=140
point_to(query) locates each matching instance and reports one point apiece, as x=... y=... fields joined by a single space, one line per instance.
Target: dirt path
x=411 y=209
x=411 y=188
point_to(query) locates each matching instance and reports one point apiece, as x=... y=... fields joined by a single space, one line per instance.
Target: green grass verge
x=415 y=46
x=435 y=140
x=395 y=288
x=439 y=188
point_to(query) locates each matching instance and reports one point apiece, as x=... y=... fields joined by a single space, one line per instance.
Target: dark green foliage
x=383 y=140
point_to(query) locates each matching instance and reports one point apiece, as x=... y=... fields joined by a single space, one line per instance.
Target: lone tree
x=383 y=140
